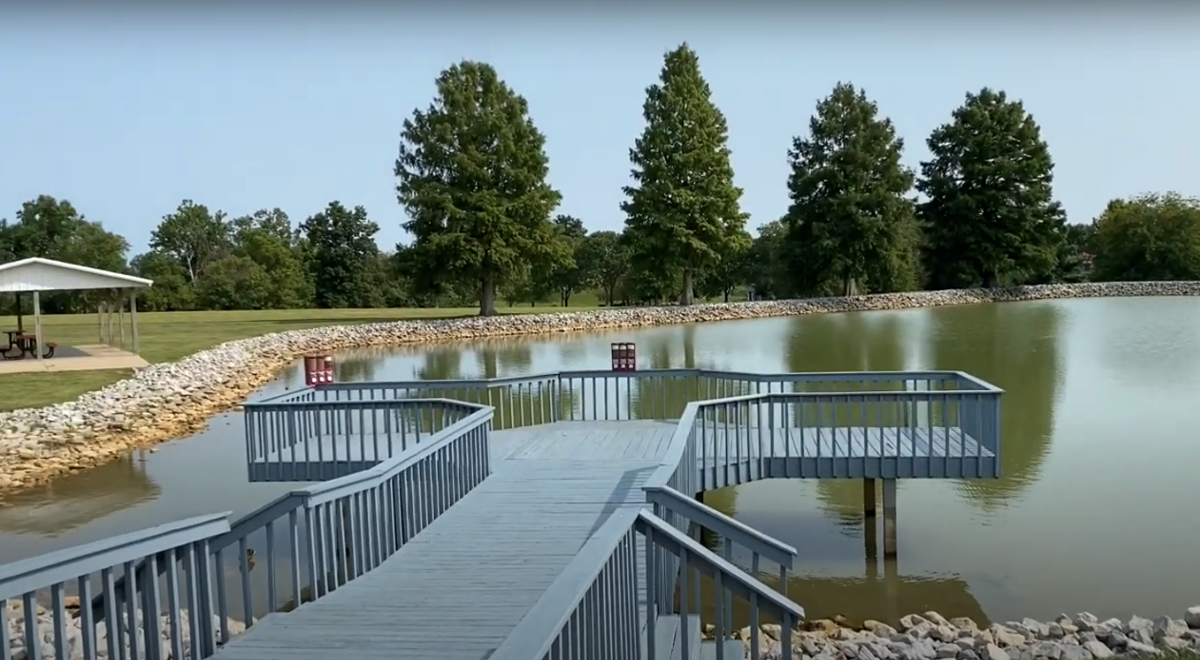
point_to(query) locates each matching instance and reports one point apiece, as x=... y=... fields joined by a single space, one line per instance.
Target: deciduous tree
x=1148 y=237
x=343 y=257
x=683 y=207
x=471 y=175
x=568 y=278
x=604 y=261
x=990 y=218
x=849 y=225
x=194 y=236
x=53 y=229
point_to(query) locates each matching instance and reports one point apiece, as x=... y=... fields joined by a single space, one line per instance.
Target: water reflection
x=824 y=583
x=74 y=500
x=440 y=363
x=504 y=357
x=1016 y=348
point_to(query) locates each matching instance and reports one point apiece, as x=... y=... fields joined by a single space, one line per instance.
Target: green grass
x=168 y=336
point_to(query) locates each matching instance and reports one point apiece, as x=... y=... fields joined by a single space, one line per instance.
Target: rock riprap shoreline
x=931 y=636
x=74 y=636
x=165 y=401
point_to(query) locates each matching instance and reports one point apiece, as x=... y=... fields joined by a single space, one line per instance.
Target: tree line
x=472 y=177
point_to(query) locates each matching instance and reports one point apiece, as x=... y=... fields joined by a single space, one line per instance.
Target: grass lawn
x=167 y=336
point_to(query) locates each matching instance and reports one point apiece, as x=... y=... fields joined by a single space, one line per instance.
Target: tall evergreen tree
x=850 y=225
x=472 y=176
x=684 y=207
x=990 y=218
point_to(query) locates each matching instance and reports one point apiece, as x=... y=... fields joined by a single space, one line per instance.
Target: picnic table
x=25 y=345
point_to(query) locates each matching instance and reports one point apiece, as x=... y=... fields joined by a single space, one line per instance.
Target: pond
x=1096 y=509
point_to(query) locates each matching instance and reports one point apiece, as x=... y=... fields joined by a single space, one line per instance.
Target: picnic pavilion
x=118 y=338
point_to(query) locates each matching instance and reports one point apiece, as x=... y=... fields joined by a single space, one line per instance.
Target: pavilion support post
x=37 y=322
x=133 y=318
x=100 y=319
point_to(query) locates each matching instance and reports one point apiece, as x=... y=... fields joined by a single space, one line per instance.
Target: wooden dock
x=460 y=586
x=495 y=552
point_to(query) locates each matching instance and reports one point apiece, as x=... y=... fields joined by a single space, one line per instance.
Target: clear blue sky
x=127 y=112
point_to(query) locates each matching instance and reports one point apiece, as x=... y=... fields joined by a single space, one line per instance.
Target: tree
x=989 y=218
x=274 y=222
x=684 y=206
x=767 y=268
x=849 y=225
x=171 y=291
x=235 y=282
x=731 y=270
x=604 y=261
x=194 y=236
x=343 y=258
x=53 y=229
x=1148 y=237
x=568 y=278
x=471 y=175
x=268 y=240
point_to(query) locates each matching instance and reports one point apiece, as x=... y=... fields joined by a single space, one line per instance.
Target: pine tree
x=990 y=218
x=684 y=207
x=851 y=226
x=472 y=176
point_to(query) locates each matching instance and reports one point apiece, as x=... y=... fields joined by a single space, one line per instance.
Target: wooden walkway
x=457 y=589
x=460 y=586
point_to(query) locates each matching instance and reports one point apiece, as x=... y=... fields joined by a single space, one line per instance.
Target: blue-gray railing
x=759 y=425
x=312 y=540
x=610 y=395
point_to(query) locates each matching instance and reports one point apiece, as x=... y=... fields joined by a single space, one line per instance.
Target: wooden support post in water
x=869 y=498
x=889 y=518
x=871 y=543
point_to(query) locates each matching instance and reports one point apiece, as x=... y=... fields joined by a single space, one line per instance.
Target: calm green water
x=1096 y=511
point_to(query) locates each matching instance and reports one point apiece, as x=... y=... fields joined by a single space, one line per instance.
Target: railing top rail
x=676 y=448
x=535 y=633
x=351 y=483
x=27 y=575
x=814 y=376
x=257 y=519
x=771 y=548
x=747 y=582
x=378 y=404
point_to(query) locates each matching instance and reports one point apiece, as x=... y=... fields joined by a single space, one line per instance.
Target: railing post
x=207 y=644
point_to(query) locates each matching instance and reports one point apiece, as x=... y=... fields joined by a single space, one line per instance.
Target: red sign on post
x=318 y=370
x=624 y=356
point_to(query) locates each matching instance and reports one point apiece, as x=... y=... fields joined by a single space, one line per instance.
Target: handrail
x=300 y=498
x=351 y=483
x=675 y=448
x=538 y=633
x=845 y=376
x=748 y=583
x=705 y=516
x=35 y=573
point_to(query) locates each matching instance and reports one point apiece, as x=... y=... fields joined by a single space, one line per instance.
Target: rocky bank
x=74 y=636
x=931 y=636
x=165 y=401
